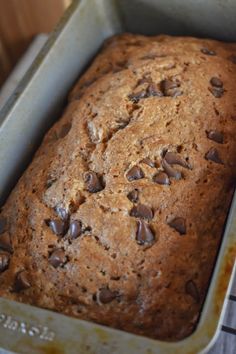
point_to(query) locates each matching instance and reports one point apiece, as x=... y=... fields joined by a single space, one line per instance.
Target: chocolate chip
x=59 y=227
x=179 y=225
x=216 y=82
x=217 y=91
x=64 y=130
x=142 y=211
x=215 y=136
x=133 y=195
x=5 y=243
x=144 y=235
x=213 y=155
x=105 y=295
x=170 y=171
x=57 y=258
x=208 y=51
x=134 y=173
x=22 y=281
x=148 y=162
x=93 y=182
x=174 y=159
x=75 y=229
x=4 y=261
x=153 y=90
x=135 y=97
x=192 y=290
x=232 y=58
x=161 y=178
x=171 y=88
x=3 y=225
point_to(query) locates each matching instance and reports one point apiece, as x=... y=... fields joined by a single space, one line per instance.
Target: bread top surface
x=119 y=216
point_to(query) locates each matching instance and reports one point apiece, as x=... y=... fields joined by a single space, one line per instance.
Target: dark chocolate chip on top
x=161 y=178
x=58 y=227
x=213 y=155
x=93 y=182
x=178 y=224
x=75 y=229
x=216 y=82
x=62 y=213
x=105 y=295
x=217 y=92
x=134 y=173
x=175 y=159
x=135 y=97
x=216 y=136
x=144 y=235
x=133 y=195
x=170 y=171
x=142 y=211
x=208 y=51
x=22 y=281
x=57 y=258
x=171 y=88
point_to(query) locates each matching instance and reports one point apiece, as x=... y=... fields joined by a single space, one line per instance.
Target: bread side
x=119 y=216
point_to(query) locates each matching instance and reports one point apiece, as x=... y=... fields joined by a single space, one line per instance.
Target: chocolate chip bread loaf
x=119 y=217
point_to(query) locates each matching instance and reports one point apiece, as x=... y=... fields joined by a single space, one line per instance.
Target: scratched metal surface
x=226 y=338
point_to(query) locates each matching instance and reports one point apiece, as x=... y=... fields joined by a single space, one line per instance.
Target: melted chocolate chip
x=142 y=211
x=135 y=97
x=232 y=58
x=148 y=162
x=57 y=258
x=192 y=290
x=208 y=51
x=171 y=88
x=106 y=296
x=174 y=159
x=22 y=281
x=59 y=227
x=5 y=243
x=144 y=235
x=62 y=213
x=134 y=173
x=170 y=171
x=179 y=225
x=161 y=178
x=217 y=91
x=213 y=155
x=93 y=182
x=153 y=90
x=75 y=229
x=133 y=196
x=216 y=82
x=4 y=261
x=64 y=130
x=3 y=225
x=215 y=136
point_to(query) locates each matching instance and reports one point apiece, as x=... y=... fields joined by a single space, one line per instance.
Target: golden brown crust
x=139 y=169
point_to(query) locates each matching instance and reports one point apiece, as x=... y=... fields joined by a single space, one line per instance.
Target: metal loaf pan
x=33 y=108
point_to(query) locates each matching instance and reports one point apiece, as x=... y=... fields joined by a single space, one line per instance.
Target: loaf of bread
x=119 y=216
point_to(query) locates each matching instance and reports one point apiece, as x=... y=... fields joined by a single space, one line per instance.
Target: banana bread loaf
x=119 y=216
